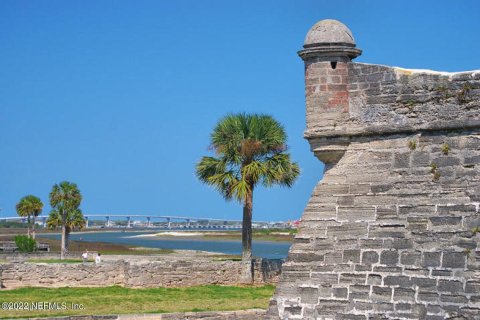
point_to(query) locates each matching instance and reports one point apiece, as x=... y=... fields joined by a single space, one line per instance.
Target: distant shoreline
x=213 y=235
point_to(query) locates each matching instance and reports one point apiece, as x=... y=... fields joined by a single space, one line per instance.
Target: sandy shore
x=176 y=234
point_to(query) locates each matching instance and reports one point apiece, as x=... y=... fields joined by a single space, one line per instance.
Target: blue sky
x=121 y=96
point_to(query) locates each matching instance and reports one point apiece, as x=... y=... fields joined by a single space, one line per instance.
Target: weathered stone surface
x=137 y=274
x=253 y=314
x=402 y=188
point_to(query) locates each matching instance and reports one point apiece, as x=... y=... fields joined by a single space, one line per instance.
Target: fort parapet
x=390 y=232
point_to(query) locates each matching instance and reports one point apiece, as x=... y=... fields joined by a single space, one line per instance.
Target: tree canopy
x=30 y=206
x=250 y=149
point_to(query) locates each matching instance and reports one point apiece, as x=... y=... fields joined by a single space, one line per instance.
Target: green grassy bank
x=103 y=247
x=118 y=300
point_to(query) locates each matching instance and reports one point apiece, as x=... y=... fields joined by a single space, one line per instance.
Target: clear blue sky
x=121 y=96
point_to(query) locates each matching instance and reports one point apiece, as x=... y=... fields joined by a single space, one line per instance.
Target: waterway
x=264 y=249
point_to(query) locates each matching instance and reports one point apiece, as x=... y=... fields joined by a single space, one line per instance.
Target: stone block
x=403 y=294
x=363 y=306
x=446 y=221
x=472 y=286
x=420 y=159
x=403 y=307
x=331 y=307
x=471 y=161
x=359 y=292
x=453 y=298
x=333 y=257
x=387 y=213
x=352 y=256
x=293 y=310
x=401 y=160
x=410 y=258
x=385 y=269
x=321 y=211
x=417 y=224
x=441 y=273
x=369 y=257
x=416 y=272
x=363 y=267
x=389 y=257
x=453 y=210
x=446 y=161
x=427 y=296
x=340 y=293
x=387 y=231
x=360 y=188
x=397 y=280
x=348 y=231
x=372 y=243
x=374 y=279
x=453 y=260
x=352 y=278
x=451 y=286
x=346 y=200
x=324 y=278
x=401 y=244
x=308 y=295
x=344 y=316
x=381 y=187
x=356 y=214
x=424 y=282
x=325 y=189
x=431 y=259
x=418 y=210
x=434 y=309
x=381 y=294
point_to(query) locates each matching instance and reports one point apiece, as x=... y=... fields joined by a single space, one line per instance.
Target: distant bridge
x=189 y=222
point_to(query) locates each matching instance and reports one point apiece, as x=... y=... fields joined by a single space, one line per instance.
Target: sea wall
x=175 y=273
x=390 y=232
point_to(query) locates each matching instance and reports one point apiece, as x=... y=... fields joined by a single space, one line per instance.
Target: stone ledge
x=252 y=314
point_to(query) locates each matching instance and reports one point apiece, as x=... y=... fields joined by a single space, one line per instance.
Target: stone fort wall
x=390 y=232
x=142 y=274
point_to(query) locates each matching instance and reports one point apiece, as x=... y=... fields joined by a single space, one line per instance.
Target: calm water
x=264 y=249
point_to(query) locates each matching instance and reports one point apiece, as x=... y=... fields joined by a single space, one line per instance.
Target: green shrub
x=25 y=244
x=445 y=148
x=412 y=144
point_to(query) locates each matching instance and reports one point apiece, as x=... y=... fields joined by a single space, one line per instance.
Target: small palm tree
x=65 y=198
x=250 y=149
x=74 y=221
x=30 y=206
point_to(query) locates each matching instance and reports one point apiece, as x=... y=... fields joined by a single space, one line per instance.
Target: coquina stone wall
x=253 y=314
x=176 y=273
x=390 y=232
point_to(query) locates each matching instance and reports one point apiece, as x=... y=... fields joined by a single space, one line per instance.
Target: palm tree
x=30 y=206
x=250 y=149
x=74 y=220
x=65 y=198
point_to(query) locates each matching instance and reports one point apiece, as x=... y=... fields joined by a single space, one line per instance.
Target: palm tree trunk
x=28 y=226
x=247 y=227
x=33 y=227
x=62 y=248
x=67 y=239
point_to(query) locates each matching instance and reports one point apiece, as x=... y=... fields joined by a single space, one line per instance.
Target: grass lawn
x=118 y=300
